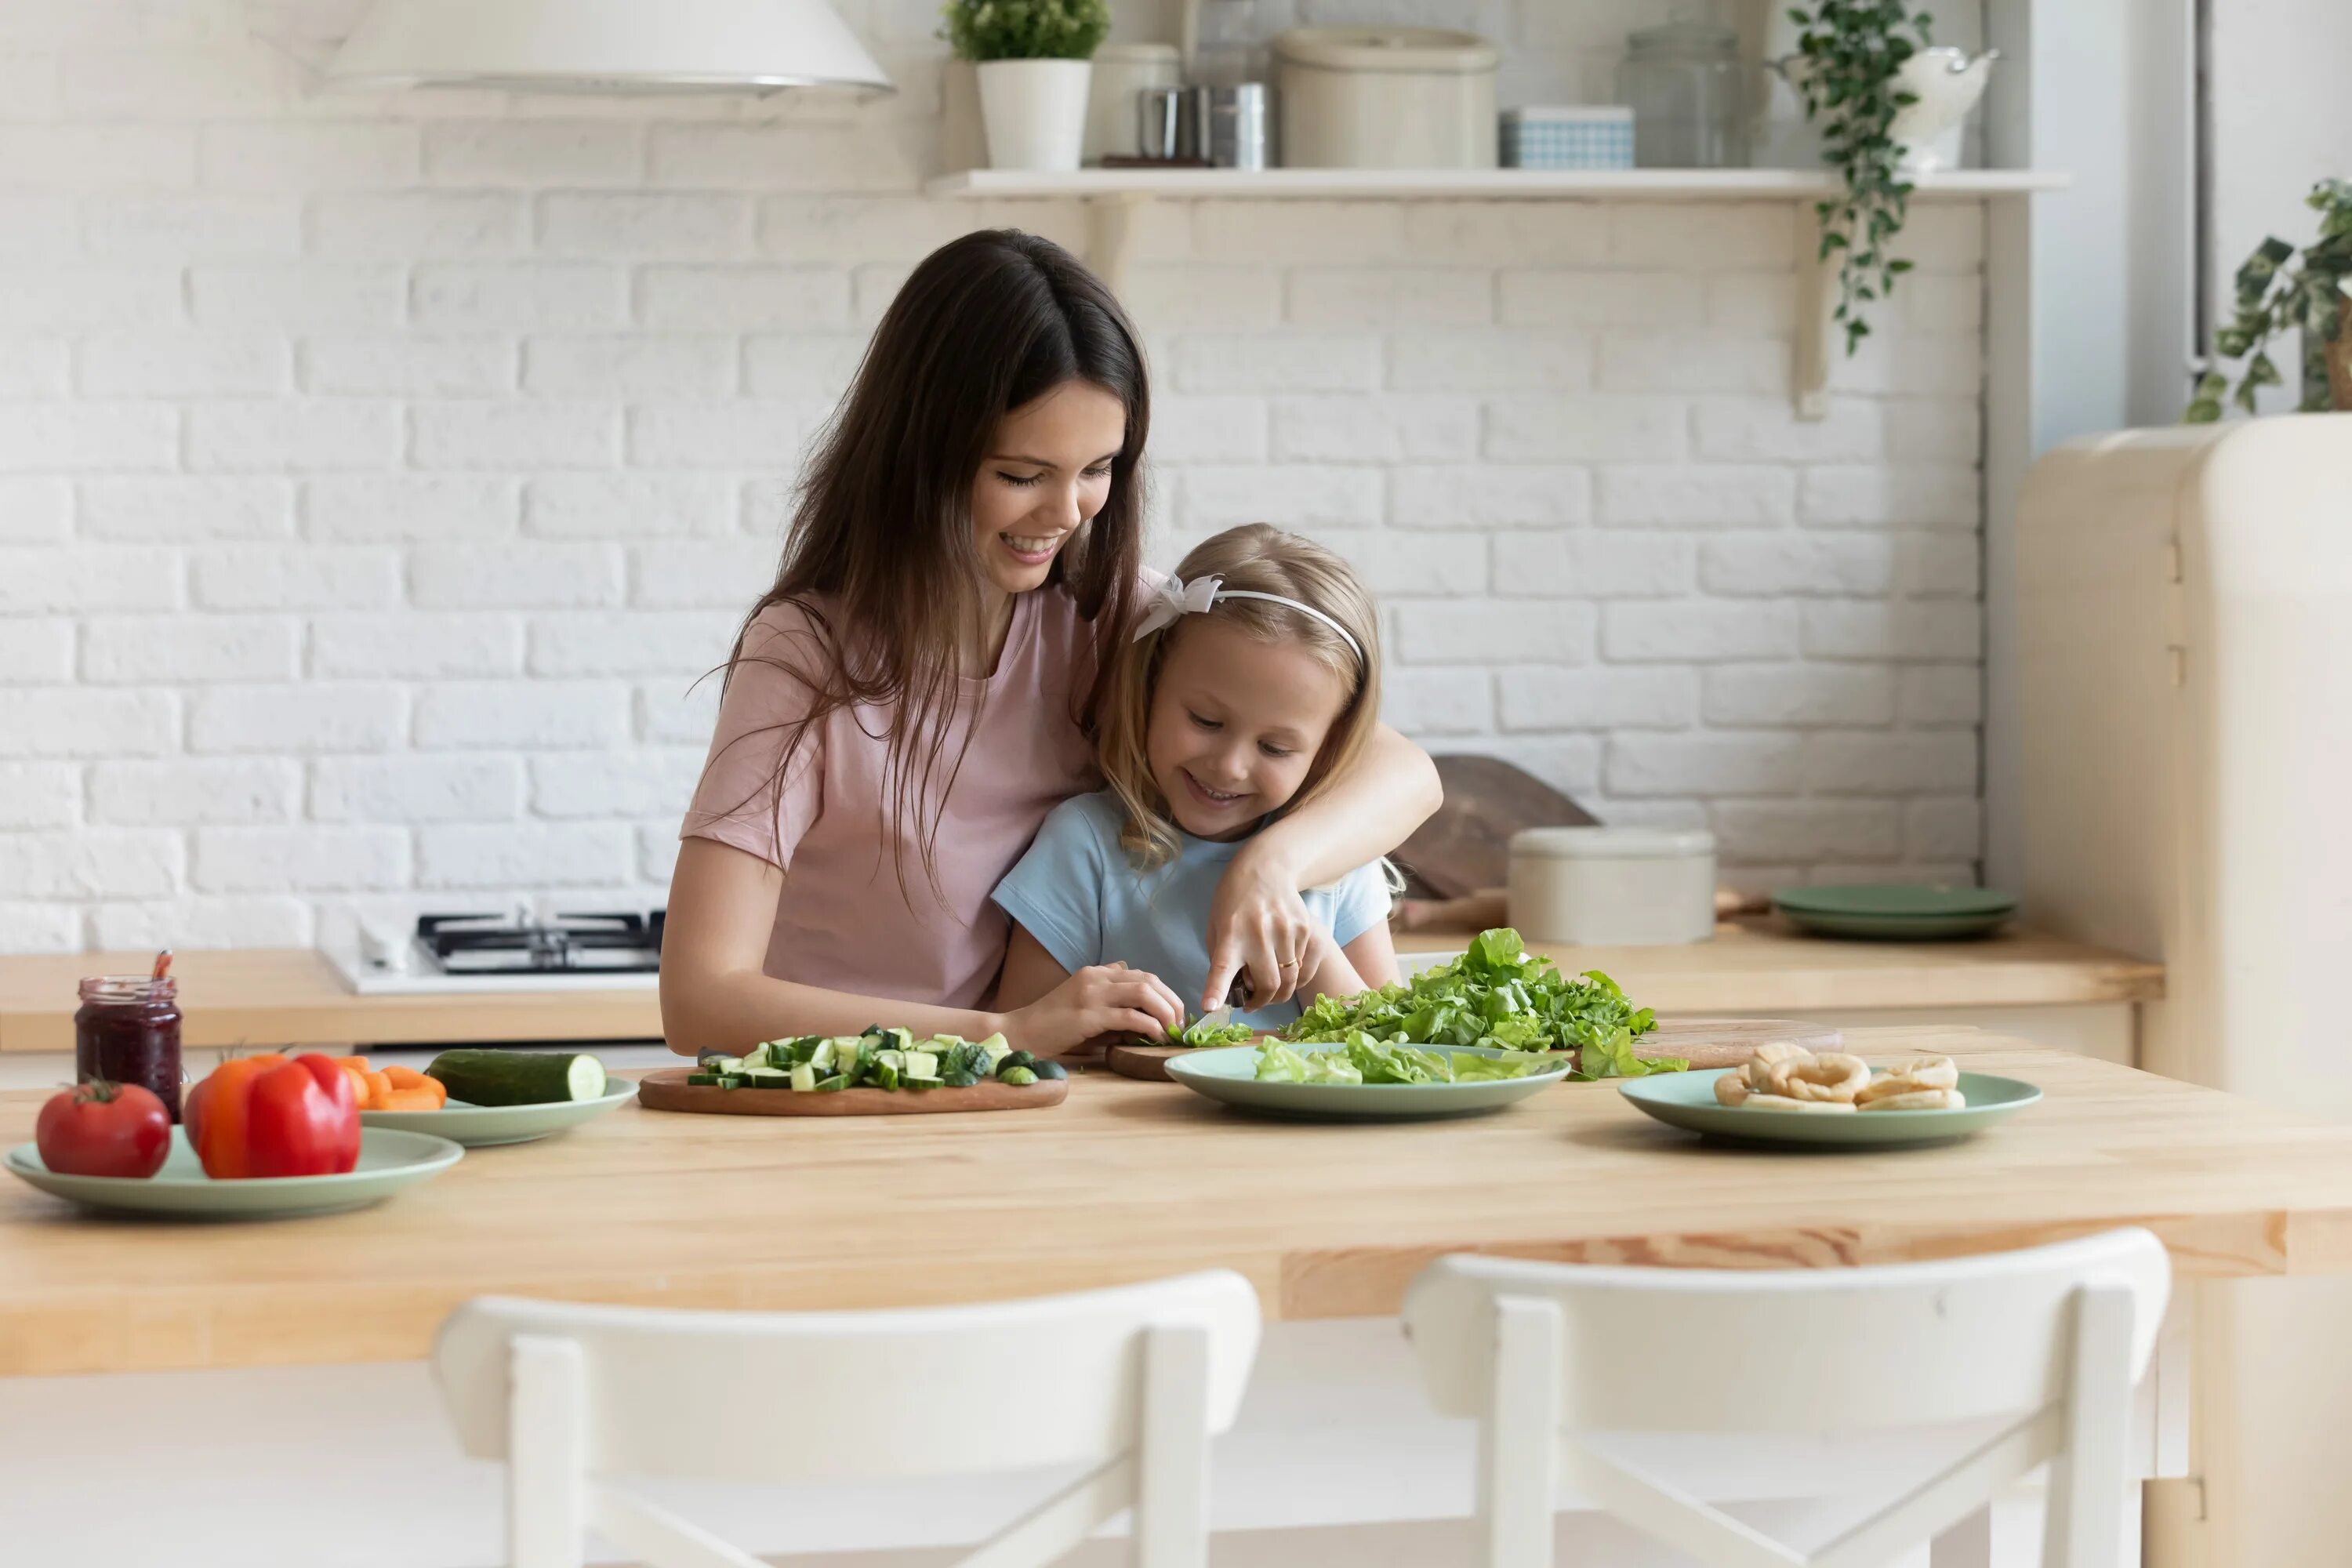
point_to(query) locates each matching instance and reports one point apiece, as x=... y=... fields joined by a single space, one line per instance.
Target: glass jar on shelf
x=1686 y=86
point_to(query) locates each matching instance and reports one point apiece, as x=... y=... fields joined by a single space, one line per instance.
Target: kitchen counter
x=1765 y=965
x=1133 y=1180
x=293 y=996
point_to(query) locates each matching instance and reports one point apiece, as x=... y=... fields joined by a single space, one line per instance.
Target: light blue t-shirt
x=1085 y=902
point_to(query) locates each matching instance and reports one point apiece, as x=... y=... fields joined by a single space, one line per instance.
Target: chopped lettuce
x=1363 y=1059
x=1501 y=997
x=1200 y=1033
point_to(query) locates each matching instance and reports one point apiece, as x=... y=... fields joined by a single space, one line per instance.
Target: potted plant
x=1032 y=58
x=2274 y=297
x=1848 y=71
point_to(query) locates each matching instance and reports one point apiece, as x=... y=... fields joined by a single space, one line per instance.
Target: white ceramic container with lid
x=1386 y=97
x=1612 y=886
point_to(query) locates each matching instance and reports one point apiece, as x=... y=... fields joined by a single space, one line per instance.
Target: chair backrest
x=1789 y=1351
x=775 y=1396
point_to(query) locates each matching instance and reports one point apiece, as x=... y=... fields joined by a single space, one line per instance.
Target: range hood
x=604 y=46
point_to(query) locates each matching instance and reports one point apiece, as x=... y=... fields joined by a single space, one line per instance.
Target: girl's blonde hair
x=1255 y=558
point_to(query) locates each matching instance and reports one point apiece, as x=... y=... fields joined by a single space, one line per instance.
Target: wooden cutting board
x=666 y=1088
x=1703 y=1042
x=1149 y=1062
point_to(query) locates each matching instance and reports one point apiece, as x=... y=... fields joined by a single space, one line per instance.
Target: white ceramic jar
x=1612 y=886
x=1386 y=97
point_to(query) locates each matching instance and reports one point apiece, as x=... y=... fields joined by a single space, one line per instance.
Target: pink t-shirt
x=843 y=921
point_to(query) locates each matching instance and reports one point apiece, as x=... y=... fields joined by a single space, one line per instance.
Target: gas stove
x=447 y=953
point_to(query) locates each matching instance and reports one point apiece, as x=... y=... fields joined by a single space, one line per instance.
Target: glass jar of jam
x=128 y=1031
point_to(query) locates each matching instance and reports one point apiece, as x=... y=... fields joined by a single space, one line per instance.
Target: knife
x=1235 y=994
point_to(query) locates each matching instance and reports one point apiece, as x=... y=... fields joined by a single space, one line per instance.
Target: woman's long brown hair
x=881 y=558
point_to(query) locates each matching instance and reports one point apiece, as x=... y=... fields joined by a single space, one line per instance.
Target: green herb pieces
x=1500 y=996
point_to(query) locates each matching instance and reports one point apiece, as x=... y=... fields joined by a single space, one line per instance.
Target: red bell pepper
x=267 y=1116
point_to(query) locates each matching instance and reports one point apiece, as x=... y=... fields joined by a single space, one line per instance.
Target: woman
x=910 y=698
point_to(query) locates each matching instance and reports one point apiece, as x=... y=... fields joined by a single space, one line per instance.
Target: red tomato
x=104 y=1129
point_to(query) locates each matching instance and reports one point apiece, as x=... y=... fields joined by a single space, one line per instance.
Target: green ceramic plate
x=1895 y=912
x=1687 y=1099
x=389 y=1160
x=481 y=1126
x=1229 y=1074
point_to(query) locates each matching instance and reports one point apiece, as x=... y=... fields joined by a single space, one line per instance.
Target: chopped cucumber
x=703 y=1079
x=766 y=1078
x=960 y=1078
x=1017 y=1077
x=821 y=1056
x=731 y=1081
x=833 y=1085
x=726 y=1064
x=803 y=1077
x=1051 y=1069
x=922 y=1067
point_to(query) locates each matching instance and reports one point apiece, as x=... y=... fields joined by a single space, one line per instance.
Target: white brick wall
x=378 y=475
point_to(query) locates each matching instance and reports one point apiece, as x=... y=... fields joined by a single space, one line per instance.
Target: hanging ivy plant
x=1849 y=52
x=2274 y=297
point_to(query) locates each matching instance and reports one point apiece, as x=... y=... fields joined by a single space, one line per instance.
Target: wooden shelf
x=1465 y=185
x=1112 y=195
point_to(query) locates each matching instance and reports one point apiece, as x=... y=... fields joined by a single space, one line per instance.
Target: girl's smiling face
x=1047 y=472
x=1236 y=725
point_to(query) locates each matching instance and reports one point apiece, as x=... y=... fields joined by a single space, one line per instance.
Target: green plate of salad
x=1364 y=1079
x=1498 y=996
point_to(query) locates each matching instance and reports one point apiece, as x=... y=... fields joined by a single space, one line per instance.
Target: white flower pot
x=1035 y=112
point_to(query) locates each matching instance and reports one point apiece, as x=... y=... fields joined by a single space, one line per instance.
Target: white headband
x=1177 y=598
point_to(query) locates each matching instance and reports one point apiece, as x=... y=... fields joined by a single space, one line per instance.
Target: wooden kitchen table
x=1133 y=1180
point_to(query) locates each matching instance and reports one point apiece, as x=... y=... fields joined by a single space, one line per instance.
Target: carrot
x=409 y=1100
x=406 y=1078
x=379 y=1088
x=359 y=1083
x=358 y=1063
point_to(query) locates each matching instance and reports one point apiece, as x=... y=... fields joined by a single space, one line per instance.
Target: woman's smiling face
x=1046 y=474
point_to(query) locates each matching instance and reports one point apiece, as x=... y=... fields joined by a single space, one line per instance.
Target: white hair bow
x=1175 y=600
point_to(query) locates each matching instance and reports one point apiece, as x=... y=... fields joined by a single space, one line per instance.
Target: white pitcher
x=1947 y=83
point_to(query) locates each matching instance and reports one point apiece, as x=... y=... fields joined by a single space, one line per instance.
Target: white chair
x=1129 y=1383
x=1548 y=1356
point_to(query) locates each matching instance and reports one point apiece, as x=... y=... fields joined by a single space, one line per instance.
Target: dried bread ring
x=1918 y=1074
x=1782 y=1102
x=1730 y=1089
x=1767 y=1056
x=1834 y=1076
x=1920 y=1100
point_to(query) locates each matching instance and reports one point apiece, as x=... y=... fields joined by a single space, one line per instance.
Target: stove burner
x=513 y=945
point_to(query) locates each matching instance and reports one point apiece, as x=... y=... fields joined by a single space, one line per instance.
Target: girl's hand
x=1101 y=999
x=1257 y=924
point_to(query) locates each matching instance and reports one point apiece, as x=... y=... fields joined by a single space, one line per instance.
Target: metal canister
x=1168 y=122
x=1236 y=125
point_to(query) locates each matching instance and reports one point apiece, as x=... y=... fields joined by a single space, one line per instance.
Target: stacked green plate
x=1895 y=912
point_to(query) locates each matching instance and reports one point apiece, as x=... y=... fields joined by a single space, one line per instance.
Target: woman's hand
x=1100 y=999
x=1258 y=925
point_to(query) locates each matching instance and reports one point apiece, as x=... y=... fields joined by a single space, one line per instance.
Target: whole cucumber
x=518 y=1078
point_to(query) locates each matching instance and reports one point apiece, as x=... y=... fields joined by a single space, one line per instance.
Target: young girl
x=911 y=696
x=1252 y=682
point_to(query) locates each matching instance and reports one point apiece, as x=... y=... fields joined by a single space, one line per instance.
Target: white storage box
x=1385 y=98
x=1577 y=136
x=1612 y=886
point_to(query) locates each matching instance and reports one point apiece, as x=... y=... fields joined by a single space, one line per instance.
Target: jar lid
x=1612 y=843
x=1686 y=39
x=1423 y=50
x=1139 y=53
